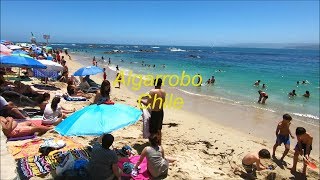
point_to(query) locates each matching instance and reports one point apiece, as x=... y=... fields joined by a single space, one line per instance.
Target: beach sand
x=204 y=149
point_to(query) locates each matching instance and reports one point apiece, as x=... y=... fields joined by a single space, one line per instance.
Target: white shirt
x=50 y=116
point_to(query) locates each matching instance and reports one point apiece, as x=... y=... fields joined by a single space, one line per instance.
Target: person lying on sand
x=254 y=158
x=303 y=148
x=157 y=163
x=12 y=128
x=74 y=91
x=282 y=134
x=9 y=109
x=54 y=113
x=26 y=89
x=103 y=162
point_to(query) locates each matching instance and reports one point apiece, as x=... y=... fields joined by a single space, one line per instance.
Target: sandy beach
x=205 y=148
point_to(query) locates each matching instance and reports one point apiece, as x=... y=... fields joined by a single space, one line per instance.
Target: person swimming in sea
x=307 y=94
x=293 y=93
x=208 y=82
x=257 y=83
x=212 y=80
x=263 y=86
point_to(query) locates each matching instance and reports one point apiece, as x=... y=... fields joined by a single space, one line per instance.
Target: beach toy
x=310 y=164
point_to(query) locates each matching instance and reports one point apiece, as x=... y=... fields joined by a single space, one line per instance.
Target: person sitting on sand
x=103 y=95
x=257 y=83
x=65 y=72
x=42 y=101
x=293 y=93
x=307 y=94
x=13 y=129
x=74 y=91
x=303 y=148
x=282 y=134
x=157 y=163
x=54 y=113
x=254 y=158
x=84 y=85
x=9 y=109
x=103 y=161
x=263 y=96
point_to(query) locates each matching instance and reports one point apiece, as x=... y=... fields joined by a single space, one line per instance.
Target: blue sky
x=162 y=22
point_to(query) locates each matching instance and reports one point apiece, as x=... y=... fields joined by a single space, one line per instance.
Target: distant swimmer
x=212 y=80
x=102 y=58
x=293 y=93
x=307 y=94
x=163 y=65
x=109 y=62
x=305 y=82
x=219 y=70
x=208 y=82
x=121 y=60
x=154 y=65
x=263 y=86
x=263 y=96
x=298 y=82
x=257 y=83
x=117 y=67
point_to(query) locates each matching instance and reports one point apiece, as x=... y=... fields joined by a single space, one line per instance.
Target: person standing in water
x=293 y=93
x=257 y=83
x=263 y=96
x=212 y=80
x=263 y=86
x=307 y=94
x=109 y=62
x=199 y=80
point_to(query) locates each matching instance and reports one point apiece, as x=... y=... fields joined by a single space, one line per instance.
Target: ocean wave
x=155 y=47
x=307 y=116
x=176 y=50
x=58 y=44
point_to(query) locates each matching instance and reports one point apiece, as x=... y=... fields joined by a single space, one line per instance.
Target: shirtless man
x=303 y=147
x=12 y=128
x=157 y=97
x=263 y=96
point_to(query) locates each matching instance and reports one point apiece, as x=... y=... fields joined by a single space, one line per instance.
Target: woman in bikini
x=103 y=95
x=12 y=128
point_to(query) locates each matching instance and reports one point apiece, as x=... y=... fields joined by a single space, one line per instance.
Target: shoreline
x=249 y=120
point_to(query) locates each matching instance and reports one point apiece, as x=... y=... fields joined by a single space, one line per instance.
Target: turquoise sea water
x=279 y=69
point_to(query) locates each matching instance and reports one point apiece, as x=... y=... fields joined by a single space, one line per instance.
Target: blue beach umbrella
x=20 y=60
x=98 y=119
x=90 y=70
x=19 y=52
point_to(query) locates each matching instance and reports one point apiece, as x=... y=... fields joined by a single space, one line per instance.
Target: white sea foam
x=176 y=50
x=155 y=47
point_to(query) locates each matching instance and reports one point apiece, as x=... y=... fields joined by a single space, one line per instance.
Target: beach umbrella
x=98 y=119
x=89 y=70
x=13 y=47
x=48 y=48
x=51 y=66
x=20 y=60
x=19 y=52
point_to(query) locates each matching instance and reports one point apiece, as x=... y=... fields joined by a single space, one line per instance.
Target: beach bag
x=66 y=164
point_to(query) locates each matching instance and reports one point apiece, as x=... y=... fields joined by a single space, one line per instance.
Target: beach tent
x=89 y=70
x=51 y=66
x=20 y=60
x=98 y=119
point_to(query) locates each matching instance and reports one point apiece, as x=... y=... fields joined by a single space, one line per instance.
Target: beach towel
x=146 y=115
x=31 y=148
x=73 y=98
x=28 y=167
x=143 y=172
